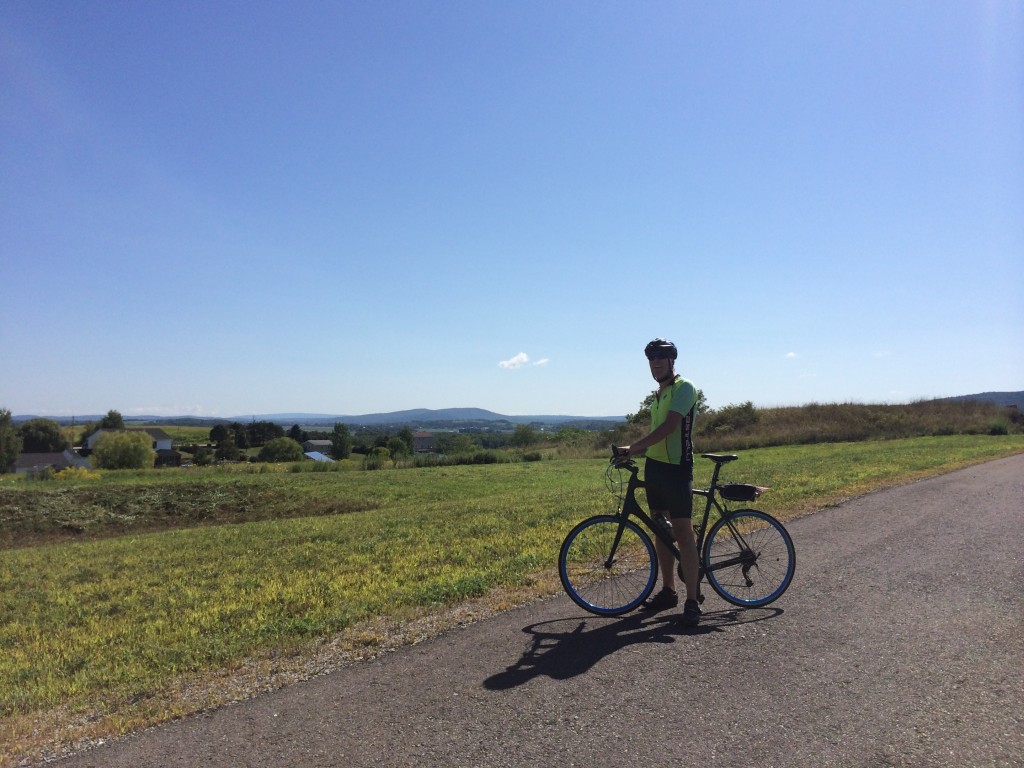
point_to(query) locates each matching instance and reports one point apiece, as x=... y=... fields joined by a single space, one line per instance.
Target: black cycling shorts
x=669 y=488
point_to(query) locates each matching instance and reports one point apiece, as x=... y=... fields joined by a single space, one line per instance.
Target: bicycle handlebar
x=620 y=459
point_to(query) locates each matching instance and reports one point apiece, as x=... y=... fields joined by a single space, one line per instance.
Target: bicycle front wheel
x=749 y=558
x=607 y=565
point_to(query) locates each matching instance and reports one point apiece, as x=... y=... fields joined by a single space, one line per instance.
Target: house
x=422 y=442
x=34 y=463
x=161 y=440
x=318 y=446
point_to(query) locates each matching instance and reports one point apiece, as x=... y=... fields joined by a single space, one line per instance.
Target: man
x=668 y=474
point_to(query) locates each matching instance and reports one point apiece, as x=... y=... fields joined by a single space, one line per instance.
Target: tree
x=227 y=450
x=643 y=416
x=454 y=444
x=87 y=429
x=241 y=436
x=203 y=457
x=220 y=433
x=123 y=450
x=113 y=420
x=341 y=442
x=398 y=449
x=10 y=442
x=42 y=436
x=281 y=449
x=523 y=437
x=297 y=434
x=405 y=433
x=260 y=432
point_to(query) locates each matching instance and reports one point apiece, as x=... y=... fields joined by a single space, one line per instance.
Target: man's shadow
x=564 y=648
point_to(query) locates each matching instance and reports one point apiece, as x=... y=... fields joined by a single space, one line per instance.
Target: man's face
x=661 y=366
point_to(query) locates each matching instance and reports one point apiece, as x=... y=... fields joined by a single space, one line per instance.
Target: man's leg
x=682 y=527
x=666 y=598
x=666 y=561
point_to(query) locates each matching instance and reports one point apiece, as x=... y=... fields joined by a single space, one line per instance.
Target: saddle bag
x=739 y=491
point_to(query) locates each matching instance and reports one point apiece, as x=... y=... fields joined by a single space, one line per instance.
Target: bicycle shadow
x=564 y=653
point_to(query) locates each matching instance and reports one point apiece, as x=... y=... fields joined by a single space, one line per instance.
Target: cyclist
x=668 y=474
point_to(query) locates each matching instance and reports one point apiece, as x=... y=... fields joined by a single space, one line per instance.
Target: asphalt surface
x=900 y=643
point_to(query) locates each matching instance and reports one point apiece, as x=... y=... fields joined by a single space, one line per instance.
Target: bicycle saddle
x=720 y=458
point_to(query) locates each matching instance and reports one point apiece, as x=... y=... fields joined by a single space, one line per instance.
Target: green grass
x=107 y=626
x=183 y=435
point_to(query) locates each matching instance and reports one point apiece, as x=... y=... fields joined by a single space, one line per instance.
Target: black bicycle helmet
x=661 y=345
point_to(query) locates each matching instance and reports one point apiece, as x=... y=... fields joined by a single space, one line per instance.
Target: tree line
x=116 y=450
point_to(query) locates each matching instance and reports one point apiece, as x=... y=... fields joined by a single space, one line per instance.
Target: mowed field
x=130 y=598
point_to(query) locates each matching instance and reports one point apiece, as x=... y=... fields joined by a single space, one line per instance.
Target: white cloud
x=520 y=360
x=791 y=355
x=515 y=362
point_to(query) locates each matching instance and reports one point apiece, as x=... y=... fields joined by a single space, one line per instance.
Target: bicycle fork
x=610 y=560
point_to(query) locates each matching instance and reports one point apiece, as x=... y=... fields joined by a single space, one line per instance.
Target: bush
x=76 y=473
x=123 y=450
x=378 y=458
x=741 y=427
x=44 y=474
x=202 y=457
x=731 y=418
x=281 y=449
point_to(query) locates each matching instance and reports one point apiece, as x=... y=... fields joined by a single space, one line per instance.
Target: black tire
x=749 y=558
x=599 y=580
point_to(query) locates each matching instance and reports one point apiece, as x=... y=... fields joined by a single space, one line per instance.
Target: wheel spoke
x=607 y=566
x=750 y=558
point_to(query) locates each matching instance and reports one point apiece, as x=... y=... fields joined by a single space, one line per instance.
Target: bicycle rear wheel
x=607 y=565
x=749 y=558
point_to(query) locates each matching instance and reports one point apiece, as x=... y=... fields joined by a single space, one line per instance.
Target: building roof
x=317 y=456
x=29 y=461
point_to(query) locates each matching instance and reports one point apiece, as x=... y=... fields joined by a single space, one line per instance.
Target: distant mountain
x=439 y=418
x=422 y=418
x=999 y=398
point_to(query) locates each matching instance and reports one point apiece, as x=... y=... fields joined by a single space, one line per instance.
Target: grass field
x=123 y=595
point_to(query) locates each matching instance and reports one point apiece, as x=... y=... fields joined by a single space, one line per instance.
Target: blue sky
x=229 y=208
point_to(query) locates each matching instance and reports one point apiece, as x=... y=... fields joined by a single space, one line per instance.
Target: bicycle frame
x=630 y=506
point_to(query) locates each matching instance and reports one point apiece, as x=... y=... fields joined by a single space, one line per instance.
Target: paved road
x=900 y=643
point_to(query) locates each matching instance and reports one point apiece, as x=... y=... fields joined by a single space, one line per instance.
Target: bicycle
x=608 y=566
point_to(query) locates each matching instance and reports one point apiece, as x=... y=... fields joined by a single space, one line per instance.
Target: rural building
x=32 y=463
x=317 y=456
x=422 y=442
x=167 y=458
x=318 y=446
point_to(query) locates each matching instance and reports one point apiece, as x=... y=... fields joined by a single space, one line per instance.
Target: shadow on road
x=564 y=648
